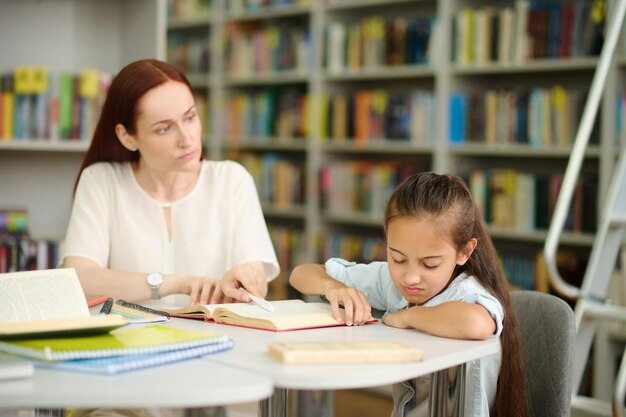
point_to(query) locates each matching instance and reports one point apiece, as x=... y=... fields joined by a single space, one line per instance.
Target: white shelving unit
x=70 y=35
x=90 y=33
x=440 y=75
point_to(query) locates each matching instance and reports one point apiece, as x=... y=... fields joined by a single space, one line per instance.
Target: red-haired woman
x=151 y=217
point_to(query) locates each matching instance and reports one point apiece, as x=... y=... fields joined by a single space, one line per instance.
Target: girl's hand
x=395 y=320
x=250 y=276
x=203 y=290
x=357 y=309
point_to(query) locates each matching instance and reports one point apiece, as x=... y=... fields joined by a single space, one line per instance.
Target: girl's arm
x=456 y=319
x=312 y=279
x=132 y=286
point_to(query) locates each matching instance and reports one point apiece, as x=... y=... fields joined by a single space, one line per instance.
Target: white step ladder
x=593 y=307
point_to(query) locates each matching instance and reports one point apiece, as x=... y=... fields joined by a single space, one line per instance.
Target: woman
x=151 y=217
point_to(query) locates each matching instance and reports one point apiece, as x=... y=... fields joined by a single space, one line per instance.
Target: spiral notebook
x=149 y=339
x=119 y=364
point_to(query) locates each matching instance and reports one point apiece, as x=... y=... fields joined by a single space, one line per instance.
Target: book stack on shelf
x=524 y=201
x=40 y=105
x=367 y=116
x=279 y=179
x=257 y=117
x=355 y=247
x=19 y=251
x=375 y=42
x=258 y=47
x=538 y=117
x=516 y=34
x=359 y=187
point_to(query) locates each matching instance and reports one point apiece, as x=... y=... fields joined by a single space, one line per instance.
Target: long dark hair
x=448 y=202
x=120 y=107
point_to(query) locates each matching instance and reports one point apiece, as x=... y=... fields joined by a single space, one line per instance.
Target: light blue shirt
x=411 y=397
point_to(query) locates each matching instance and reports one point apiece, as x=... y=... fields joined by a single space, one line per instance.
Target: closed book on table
x=142 y=340
x=353 y=351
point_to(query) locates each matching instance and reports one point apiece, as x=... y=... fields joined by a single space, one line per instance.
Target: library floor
x=348 y=403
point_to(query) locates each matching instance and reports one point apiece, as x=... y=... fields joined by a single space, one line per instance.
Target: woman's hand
x=250 y=276
x=357 y=309
x=203 y=290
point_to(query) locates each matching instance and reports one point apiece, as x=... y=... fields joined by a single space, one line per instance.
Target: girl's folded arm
x=456 y=319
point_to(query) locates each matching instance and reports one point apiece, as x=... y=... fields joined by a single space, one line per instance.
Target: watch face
x=155 y=278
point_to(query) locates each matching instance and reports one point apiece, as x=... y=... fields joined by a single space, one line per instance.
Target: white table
x=246 y=373
x=187 y=384
x=440 y=354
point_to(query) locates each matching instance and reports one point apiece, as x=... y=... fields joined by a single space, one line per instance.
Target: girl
x=442 y=277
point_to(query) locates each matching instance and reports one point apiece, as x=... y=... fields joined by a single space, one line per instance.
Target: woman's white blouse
x=215 y=227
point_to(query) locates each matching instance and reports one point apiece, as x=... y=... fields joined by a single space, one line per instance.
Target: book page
x=243 y=309
x=287 y=315
x=41 y=295
x=281 y=308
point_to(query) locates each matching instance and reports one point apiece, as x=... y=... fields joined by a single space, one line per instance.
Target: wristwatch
x=155 y=279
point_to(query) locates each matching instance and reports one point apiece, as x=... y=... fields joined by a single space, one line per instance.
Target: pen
x=142 y=308
x=106 y=307
x=261 y=302
x=97 y=301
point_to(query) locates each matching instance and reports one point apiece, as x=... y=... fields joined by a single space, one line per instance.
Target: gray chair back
x=547 y=332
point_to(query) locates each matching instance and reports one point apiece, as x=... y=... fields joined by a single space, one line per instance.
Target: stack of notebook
x=119 y=351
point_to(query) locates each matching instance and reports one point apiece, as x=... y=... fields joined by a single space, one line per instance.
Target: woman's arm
x=132 y=286
x=456 y=319
x=312 y=279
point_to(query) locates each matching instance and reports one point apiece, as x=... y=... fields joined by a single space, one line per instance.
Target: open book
x=48 y=303
x=287 y=315
x=353 y=351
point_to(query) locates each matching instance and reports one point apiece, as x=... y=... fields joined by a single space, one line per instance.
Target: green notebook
x=141 y=340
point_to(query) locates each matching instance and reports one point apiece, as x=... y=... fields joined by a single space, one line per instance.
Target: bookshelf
x=437 y=68
x=37 y=173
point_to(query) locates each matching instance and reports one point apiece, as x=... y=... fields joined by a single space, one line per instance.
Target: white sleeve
x=491 y=304
x=371 y=279
x=88 y=230
x=251 y=240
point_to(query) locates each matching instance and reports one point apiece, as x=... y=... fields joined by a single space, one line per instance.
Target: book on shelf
x=144 y=340
x=48 y=303
x=292 y=314
x=353 y=351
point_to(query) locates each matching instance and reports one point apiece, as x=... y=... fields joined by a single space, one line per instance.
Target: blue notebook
x=119 y=364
